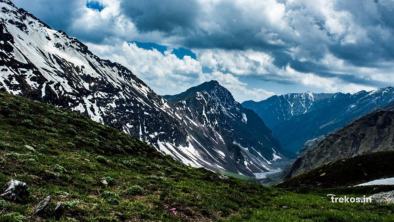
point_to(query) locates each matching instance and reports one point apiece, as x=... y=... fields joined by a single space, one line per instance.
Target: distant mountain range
x=203 y=127
x=297 y=118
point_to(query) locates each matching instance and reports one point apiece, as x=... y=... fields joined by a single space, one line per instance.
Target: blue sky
x=95 y=5
x=254 y=48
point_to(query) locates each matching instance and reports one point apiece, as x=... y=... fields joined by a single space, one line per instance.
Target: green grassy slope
x=65 y=155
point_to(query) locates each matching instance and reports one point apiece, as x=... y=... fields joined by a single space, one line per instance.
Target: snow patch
x=244 y=118
x=379 y=182
x=275 y=156
x=264 y=175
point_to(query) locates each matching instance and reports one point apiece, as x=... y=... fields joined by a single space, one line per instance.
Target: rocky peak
x=207 y=95
x=238 y=130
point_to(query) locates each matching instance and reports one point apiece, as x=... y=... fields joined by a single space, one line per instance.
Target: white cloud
x=321 y=84
x=167 y=74
x=240 y=89
x=237 y=62
x=164 y=73
x=319 y=45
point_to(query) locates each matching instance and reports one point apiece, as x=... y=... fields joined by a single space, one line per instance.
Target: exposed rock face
x=43 y=64
x=279 y=108
x=16 y=191
x=383 y=198
x=297 y=118
x=371 y=134
x=239 y=135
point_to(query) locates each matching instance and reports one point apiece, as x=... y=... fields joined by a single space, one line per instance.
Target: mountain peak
x=211 y=83
x=208 y=86
x=211 y=89
x=233 y=129
x=383 y=90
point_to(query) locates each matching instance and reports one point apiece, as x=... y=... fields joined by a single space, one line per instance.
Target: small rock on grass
x=42 y=206
x=30 y=148
x=104 y=182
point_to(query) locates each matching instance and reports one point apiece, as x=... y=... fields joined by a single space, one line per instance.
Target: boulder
x=16 y=191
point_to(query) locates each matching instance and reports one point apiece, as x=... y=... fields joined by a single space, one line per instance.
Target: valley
x=95 y=178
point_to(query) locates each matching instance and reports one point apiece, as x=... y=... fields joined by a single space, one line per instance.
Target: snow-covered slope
x=238 y=135
x=43 y=64
x=297 y=118
x=285 y=107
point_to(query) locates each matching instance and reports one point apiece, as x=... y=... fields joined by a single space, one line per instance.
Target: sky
x=254 y=48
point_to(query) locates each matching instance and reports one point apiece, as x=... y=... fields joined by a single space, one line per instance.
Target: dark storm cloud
x=297 y=34
x=231 y=27
x=227 y=25
x=376 y=18
x=230 y=31
x=165 y=16
x=58 y=14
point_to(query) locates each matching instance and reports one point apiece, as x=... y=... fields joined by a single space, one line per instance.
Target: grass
x=100 y=174
x=315 y=206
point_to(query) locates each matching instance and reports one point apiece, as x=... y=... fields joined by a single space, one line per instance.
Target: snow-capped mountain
x=297 y=118
x=238 y=135
x=284 y=107
x=47 y=65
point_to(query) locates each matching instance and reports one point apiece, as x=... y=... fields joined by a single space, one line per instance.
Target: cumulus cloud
x=168 y=74
x=105 y=24
x=316 y=45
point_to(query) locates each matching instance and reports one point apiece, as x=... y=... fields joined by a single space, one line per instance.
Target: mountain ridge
x=362 y=149
x=47 y=65
x=322 y=116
